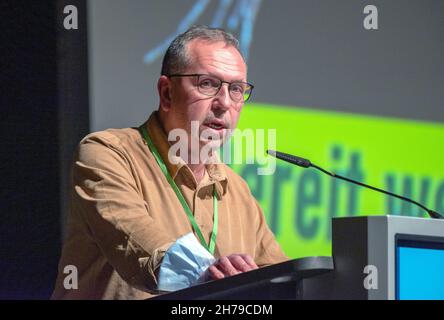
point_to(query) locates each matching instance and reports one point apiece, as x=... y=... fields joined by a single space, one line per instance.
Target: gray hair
x=176 y=58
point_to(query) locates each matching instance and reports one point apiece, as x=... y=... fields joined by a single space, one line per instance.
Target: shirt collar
x=215 y=168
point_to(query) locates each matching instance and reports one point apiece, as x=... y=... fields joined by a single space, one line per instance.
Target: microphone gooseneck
x=305 y=163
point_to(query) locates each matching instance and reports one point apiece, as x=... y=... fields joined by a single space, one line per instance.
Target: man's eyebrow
x=216 y=76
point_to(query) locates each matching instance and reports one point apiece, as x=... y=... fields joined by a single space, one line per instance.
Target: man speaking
x=148 y=217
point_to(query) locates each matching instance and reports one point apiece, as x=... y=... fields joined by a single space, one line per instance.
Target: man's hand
x=229 y=266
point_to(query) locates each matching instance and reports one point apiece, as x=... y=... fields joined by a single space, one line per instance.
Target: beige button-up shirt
x=125 y=215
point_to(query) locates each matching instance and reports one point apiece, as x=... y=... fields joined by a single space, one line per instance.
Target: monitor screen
x=419 y=268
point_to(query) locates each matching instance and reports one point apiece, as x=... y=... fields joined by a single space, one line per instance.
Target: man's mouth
x=216 y=125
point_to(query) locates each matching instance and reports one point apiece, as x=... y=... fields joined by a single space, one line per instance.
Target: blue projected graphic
x=242 y=17
x=420 y=273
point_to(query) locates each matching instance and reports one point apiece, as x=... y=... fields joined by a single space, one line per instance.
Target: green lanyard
x=210 y=247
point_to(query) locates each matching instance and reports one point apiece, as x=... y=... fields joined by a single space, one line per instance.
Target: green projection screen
x=401 y=156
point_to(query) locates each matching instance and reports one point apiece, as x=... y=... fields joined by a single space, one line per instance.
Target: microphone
x=305 y=163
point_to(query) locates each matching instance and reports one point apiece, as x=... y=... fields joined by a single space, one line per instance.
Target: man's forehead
x=216 y=56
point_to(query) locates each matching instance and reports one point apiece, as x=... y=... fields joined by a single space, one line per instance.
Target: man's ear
x=164 y=91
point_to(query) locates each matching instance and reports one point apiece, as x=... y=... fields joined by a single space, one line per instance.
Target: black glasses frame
x=221 y=83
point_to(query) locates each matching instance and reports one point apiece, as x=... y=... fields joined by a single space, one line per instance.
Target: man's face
x=214 y=114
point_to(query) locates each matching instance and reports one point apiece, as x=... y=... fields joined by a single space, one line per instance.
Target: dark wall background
x=307 y=53
x=44 y=112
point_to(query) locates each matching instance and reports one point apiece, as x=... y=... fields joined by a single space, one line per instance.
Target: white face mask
x=183 y=264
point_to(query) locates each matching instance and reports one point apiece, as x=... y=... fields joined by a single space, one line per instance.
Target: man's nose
x=223 y=99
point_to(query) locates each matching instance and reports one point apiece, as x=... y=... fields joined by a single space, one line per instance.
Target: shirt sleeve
x=116 y=214
x=268 y=250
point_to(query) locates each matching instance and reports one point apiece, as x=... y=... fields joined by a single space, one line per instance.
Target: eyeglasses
x=210 y=86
